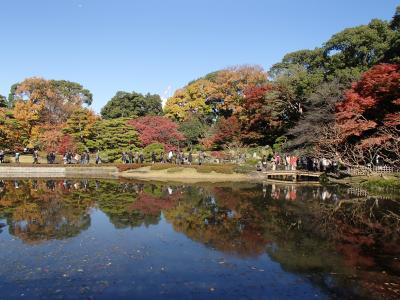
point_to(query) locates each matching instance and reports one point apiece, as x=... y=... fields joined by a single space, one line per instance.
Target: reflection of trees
x=334 y=244
x=116 y=200
x=154 y=199
x=226 y=219
x=340 y=238
x=317 y=231
x=362 y=227
x=35 y=213
x=43 y=210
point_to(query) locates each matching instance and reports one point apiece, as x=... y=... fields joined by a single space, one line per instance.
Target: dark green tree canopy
x=310 y=60
x=395 y=23
x=358 y=47
x=193 y=129
x=310 y=82
x=345 y=55
x=70 y=89
x=12 y=94
x=125 y=104
x=113 y=134
x=3 y=101
x=393 y=54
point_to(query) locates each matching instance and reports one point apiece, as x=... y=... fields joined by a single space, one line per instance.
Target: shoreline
x=144 y=173
x=172 y=173
x=56 y=171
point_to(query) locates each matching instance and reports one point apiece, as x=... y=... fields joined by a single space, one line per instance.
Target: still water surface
x=89 y=239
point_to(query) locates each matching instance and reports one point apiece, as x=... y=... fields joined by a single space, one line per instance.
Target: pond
x=97 y=239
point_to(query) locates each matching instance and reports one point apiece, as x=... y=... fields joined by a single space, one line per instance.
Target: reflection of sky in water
x=145 y=262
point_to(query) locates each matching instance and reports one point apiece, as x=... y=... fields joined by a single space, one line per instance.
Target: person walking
x=153 y=158
x=162 y=157
x=87 y=158
x=130 y=156
x=293 y=162
x=273 y=164
x=170 y=155
x=201 y=157
x=141 y=157
x=1 y=156
x=98 y=159
x=77 y=158
x=17 y=155
x=287 y=162
x=35 y=157
x=69 y=157
x=278 y=159
x=183 y=158
x=48 y=158
x=136 y=157
x=190 y=158
x=264 y=163
x=52 y=157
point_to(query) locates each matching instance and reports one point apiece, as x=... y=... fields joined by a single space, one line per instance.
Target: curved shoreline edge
x=145 y=173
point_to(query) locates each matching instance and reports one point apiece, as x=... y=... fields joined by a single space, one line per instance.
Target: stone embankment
x=56 y=171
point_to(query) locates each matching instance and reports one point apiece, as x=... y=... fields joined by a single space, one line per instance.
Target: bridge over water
x=293 y=175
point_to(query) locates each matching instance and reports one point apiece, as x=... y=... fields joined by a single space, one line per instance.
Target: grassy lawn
x=381 y=183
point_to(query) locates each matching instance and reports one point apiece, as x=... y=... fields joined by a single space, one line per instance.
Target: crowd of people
x=127 y=157
x=293 y=162
x=76 y=158
x=172 y=157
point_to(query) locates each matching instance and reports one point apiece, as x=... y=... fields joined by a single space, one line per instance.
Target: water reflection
x=348 y=248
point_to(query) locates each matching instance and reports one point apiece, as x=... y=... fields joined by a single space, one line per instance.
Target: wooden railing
x=370 y=170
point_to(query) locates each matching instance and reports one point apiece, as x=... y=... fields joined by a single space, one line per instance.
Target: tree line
x=340 y=100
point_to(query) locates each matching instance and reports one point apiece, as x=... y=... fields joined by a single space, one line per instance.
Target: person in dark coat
x=53 y=157
x=141 y=157
x=130 y=156
x=162 y=157
x=98 y=159
x=190 y=157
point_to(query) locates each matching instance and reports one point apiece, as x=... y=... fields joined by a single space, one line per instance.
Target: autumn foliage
x=368 y=119
x=338 y=101
x=371 y=103
x=157 y=129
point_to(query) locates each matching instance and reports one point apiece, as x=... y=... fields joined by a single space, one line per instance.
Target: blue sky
x=148 y=45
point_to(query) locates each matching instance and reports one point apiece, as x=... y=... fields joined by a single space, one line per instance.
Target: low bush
x=157 y=148
x=381 y=184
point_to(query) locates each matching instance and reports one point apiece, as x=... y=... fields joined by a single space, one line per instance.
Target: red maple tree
x=157 y=129
x=372 y=103
x=227 y=130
